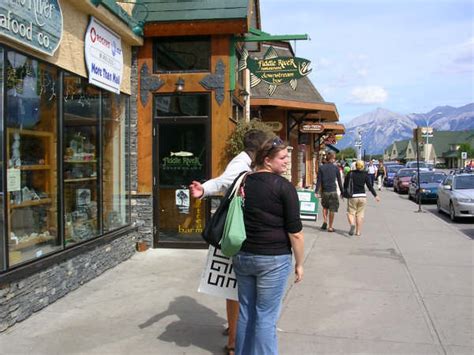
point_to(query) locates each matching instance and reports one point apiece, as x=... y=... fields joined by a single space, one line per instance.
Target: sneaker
x=351 y=231
x=324 y=226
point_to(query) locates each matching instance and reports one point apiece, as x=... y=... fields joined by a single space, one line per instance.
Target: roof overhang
x=324 y=111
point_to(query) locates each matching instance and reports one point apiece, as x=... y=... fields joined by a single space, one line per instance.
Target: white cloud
x=371 y=94
x=459 y=58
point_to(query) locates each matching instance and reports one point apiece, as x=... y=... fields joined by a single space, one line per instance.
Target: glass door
x=181 y=156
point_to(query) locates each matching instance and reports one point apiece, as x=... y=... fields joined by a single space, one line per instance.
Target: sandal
x=229 y=350
x=331 y=230
x=324 y=226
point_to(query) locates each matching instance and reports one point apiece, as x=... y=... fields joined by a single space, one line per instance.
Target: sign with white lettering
x=104 y=57
x=37 y=24
x=311 y=127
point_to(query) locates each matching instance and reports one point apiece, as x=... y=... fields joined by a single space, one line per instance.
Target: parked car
x=429 y=183
x=456 y=195
x=423 y=166
x=402 y=180
x=391 y=171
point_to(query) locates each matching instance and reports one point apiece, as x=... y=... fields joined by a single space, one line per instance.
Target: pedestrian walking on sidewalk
x=357 y=202
x=328 y=175
x=262 y=266
x=253 y=140
x=381 y=172
x=371 y=170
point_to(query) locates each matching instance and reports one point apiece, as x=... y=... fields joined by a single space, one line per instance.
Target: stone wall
x=21 y=298
x=142 y=205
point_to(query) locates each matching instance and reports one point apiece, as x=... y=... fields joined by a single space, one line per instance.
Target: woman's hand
x=298 y=273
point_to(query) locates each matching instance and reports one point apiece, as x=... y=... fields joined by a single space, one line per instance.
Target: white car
x=456 y=196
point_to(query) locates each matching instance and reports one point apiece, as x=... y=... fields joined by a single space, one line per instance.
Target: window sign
x=104 y=56
x=35 y=24
x=14 y=179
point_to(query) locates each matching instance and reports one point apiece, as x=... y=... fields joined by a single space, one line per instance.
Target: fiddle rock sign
x=274 y=70
x=37 y=24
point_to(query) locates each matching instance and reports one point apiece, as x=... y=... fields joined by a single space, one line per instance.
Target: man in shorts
x=328 y=174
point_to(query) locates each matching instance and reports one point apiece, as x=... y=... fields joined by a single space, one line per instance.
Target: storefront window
x=2 y=222
x=80 y=159
x=115 y=152
x=31 y=117
x=182 y=54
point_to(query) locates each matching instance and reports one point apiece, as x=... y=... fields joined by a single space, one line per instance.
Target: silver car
x=456 y=195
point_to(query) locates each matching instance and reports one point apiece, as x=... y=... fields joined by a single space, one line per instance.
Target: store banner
x=35 y=24
x=104 y=56
x=218 y=277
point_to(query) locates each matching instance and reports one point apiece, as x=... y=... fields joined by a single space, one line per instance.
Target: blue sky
x=407 y=56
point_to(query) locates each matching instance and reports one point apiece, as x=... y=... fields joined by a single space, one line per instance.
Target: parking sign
x=463 y=155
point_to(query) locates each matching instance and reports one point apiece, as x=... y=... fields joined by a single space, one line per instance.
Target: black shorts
x=330 y=201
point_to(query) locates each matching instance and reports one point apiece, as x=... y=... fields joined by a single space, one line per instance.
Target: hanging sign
x=104 y=56
x=274 y=70
x=311 y=127
x=331 y=139
x=37 y=24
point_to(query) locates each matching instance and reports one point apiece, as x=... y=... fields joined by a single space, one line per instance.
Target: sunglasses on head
x=277 y=141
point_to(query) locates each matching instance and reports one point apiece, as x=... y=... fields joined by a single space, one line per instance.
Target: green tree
x=347 y=153
x=235 y=142
x=466 y=147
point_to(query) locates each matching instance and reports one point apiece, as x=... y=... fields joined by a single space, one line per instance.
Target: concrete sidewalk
x=404 y=287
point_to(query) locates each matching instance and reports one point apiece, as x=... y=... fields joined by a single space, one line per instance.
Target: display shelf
x=34 y=167
x=81 y=179
x=31 y=242
x=42 y=201
x=80 y=161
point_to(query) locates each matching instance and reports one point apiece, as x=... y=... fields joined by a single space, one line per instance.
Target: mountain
x=382 y=127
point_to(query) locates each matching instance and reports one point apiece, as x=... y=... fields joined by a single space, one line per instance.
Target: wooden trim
x=190 y=28
x=328 y=111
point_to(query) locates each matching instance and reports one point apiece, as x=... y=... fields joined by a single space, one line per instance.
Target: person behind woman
x=262 y=266
x=357 y=202
x=381 y=172
x=252 y=140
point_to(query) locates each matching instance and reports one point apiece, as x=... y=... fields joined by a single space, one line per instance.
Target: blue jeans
x=262 y=282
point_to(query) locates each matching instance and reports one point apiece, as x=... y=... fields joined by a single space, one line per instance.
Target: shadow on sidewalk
x=195 y=326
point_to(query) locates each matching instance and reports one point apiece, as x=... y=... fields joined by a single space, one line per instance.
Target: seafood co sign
x=274 y=70
x=37 y=24
x=104 y=57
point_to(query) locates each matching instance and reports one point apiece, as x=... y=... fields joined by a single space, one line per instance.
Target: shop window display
x=80 y=159
x=116 y=211
x=30 y=116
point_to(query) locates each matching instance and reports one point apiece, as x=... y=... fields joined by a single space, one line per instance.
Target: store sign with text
x=104 y=56
x=311 y=127
x=37 y=24
x=274 y=70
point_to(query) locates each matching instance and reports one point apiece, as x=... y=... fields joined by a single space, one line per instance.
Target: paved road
x=465 y=225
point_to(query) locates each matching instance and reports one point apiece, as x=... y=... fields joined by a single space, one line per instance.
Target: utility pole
x=358 y=144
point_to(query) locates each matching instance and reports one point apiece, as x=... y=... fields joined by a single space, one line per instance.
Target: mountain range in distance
x=382 y=127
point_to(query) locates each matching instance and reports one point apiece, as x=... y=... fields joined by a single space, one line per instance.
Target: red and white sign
x=104 y=56
x=331 y=139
